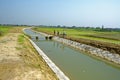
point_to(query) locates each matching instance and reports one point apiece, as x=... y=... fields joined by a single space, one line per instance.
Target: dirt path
x=18 y=62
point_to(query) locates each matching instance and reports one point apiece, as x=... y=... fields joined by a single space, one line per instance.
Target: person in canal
x=54 y=32
x=36 y=37
x=57 y=33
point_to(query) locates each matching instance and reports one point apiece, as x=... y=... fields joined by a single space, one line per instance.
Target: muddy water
x=75 y=64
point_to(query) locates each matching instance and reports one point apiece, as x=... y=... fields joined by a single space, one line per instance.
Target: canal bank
x=75 y=64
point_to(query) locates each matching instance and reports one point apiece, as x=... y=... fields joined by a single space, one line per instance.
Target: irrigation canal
x=75 y=64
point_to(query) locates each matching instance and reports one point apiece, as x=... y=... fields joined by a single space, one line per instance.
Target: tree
x=58 y=26
x=73 y=26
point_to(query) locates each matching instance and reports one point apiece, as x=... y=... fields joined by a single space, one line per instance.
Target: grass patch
x=21 y=39
x=18 y=48
x=10 y=29
x=4 y=30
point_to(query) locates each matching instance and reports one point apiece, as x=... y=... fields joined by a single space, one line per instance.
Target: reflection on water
x=56 y=44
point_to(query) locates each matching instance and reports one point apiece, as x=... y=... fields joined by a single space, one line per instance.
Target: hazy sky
x=61 y=12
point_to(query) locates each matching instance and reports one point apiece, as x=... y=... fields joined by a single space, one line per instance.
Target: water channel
x=75 y=64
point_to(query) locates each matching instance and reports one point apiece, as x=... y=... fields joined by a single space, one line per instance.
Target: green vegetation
x=89 y=34
x=4 y=30
x=21 y=39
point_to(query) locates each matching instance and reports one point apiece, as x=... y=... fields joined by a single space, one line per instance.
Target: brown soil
x=21 y=61
x=113 y=48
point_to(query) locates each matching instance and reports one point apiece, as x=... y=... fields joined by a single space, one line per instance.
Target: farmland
x=107 y=40
x=111 y=37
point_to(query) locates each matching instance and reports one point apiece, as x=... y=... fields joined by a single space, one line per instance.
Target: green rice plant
x=90 y=34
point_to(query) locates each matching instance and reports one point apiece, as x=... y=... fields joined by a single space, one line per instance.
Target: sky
x=94 y=13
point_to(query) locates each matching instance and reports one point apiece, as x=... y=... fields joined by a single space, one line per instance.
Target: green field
x=10 y=29
x=89 y=34
x=4 y=30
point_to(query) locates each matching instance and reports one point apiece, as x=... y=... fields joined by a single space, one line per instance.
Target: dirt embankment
x=113 y=48
x=21 y=61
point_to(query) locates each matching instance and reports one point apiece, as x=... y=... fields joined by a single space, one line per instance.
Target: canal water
x=75 y=64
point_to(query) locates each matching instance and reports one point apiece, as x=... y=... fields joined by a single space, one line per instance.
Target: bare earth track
x=21 y=61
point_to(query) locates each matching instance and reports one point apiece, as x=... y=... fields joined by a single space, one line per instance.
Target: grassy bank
x=106 y=40
x=33 y=59
x=19 y=59
x=10 y=29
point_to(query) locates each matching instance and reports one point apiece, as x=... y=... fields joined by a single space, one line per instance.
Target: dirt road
x=21 y=61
